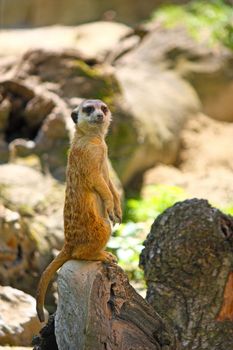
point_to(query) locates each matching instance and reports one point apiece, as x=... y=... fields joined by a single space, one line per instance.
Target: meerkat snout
x=99 y=117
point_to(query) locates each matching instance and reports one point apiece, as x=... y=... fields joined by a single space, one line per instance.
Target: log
x=188 y=265
x=98 y=309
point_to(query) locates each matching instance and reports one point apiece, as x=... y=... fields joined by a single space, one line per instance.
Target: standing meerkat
x=91 y=199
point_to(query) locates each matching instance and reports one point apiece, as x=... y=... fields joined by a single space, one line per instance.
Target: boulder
x=18 y=319
x=4 y=149
x=40 y=114
x=18 y=182
x=31 y=222
x=207 y=69
x=36 y=122
x=67 y=73
x=207 y=145
x=10 y=235
x=145 y=128
x=150 y=108
x=37 y=110
x=204 y=168
x=5 y=108
x=99 y=45
x=155 y=104
x=88 y=39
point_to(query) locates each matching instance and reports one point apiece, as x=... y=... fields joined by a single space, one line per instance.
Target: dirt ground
x=205 y=164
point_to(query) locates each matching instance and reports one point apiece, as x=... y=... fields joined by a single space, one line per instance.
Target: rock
x=10 y=234
x=151 y=133
x=37 y=110
x=14 y=42
x=98 y=309
x=100 y=45
x=207 y=69
x=19 y=252
x=5 y=107
x=210 y=75
x=51 y=144
x=156 y=102
x=44 y=118
x=17 y=88
x=204 y=168
x=206 y=145
x=4 y=151
x=18 y=319
x=188 y=263
x=21 y=148
x=146 y=127
x=69 y=72
x=18 y=182
x=16 y=96
x=31 y=222
x=40 y=116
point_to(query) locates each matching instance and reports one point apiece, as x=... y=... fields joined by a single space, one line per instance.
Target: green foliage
x=156 y=200
x=211 y=21
x=127 y=241
x=126 y=244
x=228 y=210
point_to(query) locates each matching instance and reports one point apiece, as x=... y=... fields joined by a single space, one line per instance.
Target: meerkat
x=91 y=199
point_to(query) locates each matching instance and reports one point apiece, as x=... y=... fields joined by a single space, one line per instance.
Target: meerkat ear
x=74 y=115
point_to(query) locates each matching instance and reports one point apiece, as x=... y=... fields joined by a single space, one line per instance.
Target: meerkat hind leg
x=98 y=256
x=106 y=257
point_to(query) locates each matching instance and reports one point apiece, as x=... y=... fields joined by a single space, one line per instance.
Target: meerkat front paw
x=118 y=214
x=110 y=210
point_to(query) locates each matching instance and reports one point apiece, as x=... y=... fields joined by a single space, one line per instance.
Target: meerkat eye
x=88 y=109
x=104 y=109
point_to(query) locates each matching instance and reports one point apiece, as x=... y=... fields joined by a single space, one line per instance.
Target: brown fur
x=91 y=199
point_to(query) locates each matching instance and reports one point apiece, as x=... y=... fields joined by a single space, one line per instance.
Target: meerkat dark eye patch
x=88 y=109
x=74 y=116
x=104 y=109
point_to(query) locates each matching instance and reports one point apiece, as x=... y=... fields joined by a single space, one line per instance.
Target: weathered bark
x=188 y=264
x=98 y=309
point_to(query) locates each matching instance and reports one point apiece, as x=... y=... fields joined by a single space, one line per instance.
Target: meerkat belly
x=82 y=207
x=98 y=204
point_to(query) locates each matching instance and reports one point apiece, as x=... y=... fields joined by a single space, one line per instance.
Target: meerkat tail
x=46 y=276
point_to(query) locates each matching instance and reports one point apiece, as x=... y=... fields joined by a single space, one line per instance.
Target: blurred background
x=33 y=13
x=165 y=68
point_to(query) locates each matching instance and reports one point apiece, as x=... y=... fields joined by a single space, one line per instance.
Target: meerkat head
x=92 y=115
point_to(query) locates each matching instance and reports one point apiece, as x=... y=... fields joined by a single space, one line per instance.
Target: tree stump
x=98 y=309
x=188 y=264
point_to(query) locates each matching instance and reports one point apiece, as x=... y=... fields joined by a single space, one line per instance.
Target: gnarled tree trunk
x=188 y=264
